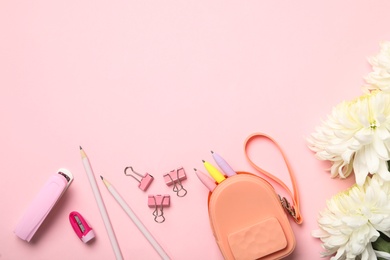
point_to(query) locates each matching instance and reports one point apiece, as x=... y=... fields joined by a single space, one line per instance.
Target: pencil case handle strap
x=292 y=209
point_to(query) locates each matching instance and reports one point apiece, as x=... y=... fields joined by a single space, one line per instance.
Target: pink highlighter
x=81 y=227
x=43 y=203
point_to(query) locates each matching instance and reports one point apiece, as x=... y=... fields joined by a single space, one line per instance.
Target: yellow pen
x=217 y=175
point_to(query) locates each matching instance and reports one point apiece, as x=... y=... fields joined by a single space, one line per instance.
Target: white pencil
x=136 y=221
x=102 y=208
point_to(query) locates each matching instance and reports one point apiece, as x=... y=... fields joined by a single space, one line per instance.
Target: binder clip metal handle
x=158 y=202
x=143 y=180
x=174 y=178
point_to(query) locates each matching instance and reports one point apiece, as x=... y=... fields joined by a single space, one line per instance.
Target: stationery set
x=248 y=219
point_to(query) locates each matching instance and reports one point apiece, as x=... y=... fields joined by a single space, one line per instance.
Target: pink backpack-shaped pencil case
x=248 y=218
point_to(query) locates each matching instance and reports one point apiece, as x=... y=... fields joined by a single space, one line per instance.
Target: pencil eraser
x=42 y=204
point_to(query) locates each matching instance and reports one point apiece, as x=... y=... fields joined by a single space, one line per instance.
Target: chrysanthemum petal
x=382 y=254
x=371 y=159
x=380 y=148
x=383 y=171
x=364 y=136
x=360 y=167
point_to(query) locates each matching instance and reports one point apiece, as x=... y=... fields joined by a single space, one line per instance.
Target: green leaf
x=382 y=244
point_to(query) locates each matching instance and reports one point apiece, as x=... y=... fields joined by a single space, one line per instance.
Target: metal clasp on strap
x=288 y=207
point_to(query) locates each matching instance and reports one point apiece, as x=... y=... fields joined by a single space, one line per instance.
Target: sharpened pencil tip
x=81 y=148
x=212 y=152
x=194 y=169
x=203 y=161
x=101 y=177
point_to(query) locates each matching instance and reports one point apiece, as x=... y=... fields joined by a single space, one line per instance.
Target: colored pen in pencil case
x=214 y=172
x=225 y=167
x=206 y=180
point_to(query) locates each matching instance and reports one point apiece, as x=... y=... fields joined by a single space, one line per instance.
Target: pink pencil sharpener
x=81 y=227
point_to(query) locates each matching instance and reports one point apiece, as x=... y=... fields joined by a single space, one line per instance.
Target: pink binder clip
x=144 y=181
x=174 y=178
x=158 y=202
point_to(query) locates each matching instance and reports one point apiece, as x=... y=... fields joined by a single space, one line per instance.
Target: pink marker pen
x=207 y=181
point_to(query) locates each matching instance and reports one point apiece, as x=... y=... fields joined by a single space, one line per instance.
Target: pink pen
x=207 y=181
x=225 y=167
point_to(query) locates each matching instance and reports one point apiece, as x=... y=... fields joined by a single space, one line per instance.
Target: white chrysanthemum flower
x=356 y=136
x=379 y=78
x=353 y=218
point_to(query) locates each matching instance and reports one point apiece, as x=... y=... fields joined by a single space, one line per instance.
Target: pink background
x=157 y=85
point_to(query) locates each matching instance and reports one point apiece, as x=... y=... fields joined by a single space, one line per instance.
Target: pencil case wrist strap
x=291 y=208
